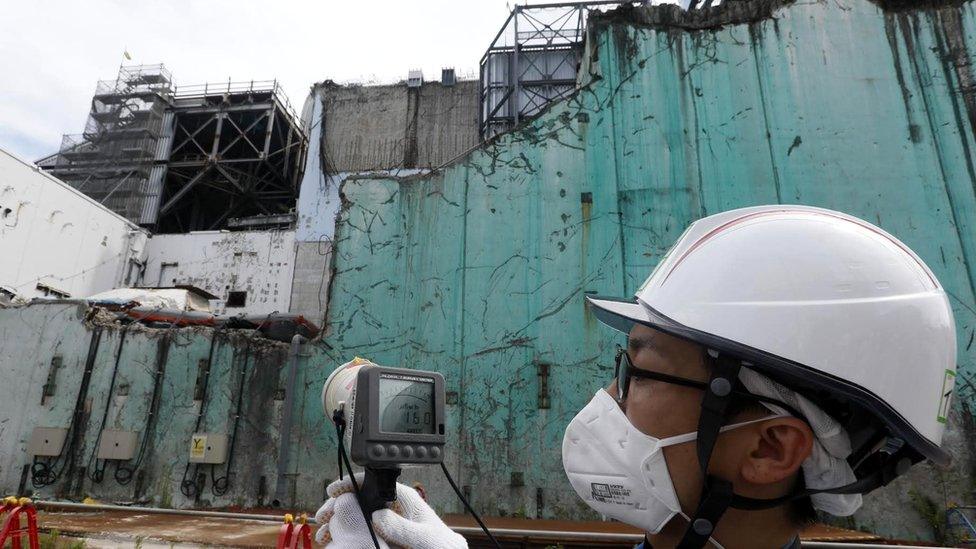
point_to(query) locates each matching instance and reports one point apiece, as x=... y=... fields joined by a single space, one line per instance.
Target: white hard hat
x=820 y=301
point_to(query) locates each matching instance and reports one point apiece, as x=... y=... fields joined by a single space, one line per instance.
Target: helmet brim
x=622 y=314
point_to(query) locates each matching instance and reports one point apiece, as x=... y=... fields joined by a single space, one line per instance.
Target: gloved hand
x=410 y=524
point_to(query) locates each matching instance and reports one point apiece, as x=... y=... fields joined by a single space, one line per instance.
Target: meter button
x=376 y=451
x=407 y=451
x=422 y=452
x=435 y=452
x=392 y=450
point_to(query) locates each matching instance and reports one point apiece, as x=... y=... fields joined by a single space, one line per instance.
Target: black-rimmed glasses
x=625 y=370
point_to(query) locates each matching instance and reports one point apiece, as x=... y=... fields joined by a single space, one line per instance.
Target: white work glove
x=410 y=524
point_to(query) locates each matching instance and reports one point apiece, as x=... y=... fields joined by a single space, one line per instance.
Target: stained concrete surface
x=121 y=529
x=117 y=542
x=367 y=128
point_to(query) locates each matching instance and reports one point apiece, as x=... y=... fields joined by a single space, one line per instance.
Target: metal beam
x=229 y=177
x=182 y=192
x=243 y=134
x=201 y=163
x=216 y=142
x=515 y=74
x=233 y=108
x=268 y=133
x=115 y=188
x=191 y=136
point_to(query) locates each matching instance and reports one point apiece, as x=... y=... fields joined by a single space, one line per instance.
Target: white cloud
x=53 y=52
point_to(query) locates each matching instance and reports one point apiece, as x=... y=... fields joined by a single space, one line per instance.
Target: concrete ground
x=115 y=543
x=105 y=529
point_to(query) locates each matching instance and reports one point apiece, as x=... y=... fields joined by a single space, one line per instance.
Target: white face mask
x=619 y=471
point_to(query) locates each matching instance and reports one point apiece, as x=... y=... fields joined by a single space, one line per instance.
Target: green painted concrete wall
x=479 y=271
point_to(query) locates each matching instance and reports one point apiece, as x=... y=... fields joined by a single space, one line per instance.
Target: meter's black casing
x=371 y=447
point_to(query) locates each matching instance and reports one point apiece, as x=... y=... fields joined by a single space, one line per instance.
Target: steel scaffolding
x=178 y=159
x=111 y=161
x=532 y=61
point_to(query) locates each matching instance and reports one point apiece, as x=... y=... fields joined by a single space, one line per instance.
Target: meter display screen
x=406 y=404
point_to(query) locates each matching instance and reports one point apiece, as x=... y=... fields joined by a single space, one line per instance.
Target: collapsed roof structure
x=185 y=158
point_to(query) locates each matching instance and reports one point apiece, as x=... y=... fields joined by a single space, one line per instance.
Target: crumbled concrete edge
x=671 y=16
x=98 y=316
x=919 y=5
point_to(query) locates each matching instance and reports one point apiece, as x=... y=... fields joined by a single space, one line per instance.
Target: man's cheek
x=685 y=476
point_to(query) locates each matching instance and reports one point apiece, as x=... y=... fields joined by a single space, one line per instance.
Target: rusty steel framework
x=531 y=62
x=235 y=150
x=179 y=159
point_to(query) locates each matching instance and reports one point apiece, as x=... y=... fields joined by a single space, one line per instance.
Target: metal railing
x=209 y=89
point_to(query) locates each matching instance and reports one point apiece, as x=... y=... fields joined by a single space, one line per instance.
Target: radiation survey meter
x=393 y=417
x=388 y=418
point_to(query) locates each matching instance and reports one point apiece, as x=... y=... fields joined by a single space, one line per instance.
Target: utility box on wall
x=208 y=448
x=46 y=441
x=118 y=445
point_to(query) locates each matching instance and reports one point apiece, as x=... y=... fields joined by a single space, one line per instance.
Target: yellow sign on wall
x=198 y=446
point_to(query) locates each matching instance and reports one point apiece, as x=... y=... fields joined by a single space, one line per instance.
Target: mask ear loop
x=717 y=493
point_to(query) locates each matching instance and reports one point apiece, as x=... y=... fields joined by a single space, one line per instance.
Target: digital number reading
x=406 y=405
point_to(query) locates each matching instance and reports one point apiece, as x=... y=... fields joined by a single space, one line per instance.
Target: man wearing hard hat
x=780 y=359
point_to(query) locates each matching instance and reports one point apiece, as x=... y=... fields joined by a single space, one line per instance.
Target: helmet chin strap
x=717 y=493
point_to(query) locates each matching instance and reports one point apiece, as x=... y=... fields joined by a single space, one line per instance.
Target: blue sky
x=52 y=53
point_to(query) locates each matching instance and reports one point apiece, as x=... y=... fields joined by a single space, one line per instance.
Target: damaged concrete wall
x=49 y=346
x=440 y=122
x=479 y=271
x=370 y=128
x=56 y=241
x=259 y=263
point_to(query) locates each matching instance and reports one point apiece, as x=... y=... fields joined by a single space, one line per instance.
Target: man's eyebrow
x=638 y=343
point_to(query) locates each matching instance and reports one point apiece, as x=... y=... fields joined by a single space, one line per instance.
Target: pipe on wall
x=284 y=443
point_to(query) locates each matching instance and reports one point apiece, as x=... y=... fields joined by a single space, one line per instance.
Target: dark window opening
x=236 y=299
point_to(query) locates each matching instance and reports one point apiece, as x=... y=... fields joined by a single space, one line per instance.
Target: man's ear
x=782 y=446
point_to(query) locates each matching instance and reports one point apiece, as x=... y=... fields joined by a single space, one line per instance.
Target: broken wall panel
x=479 y=270
x=250 y=271
x=57 y=242
x=310 y=284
